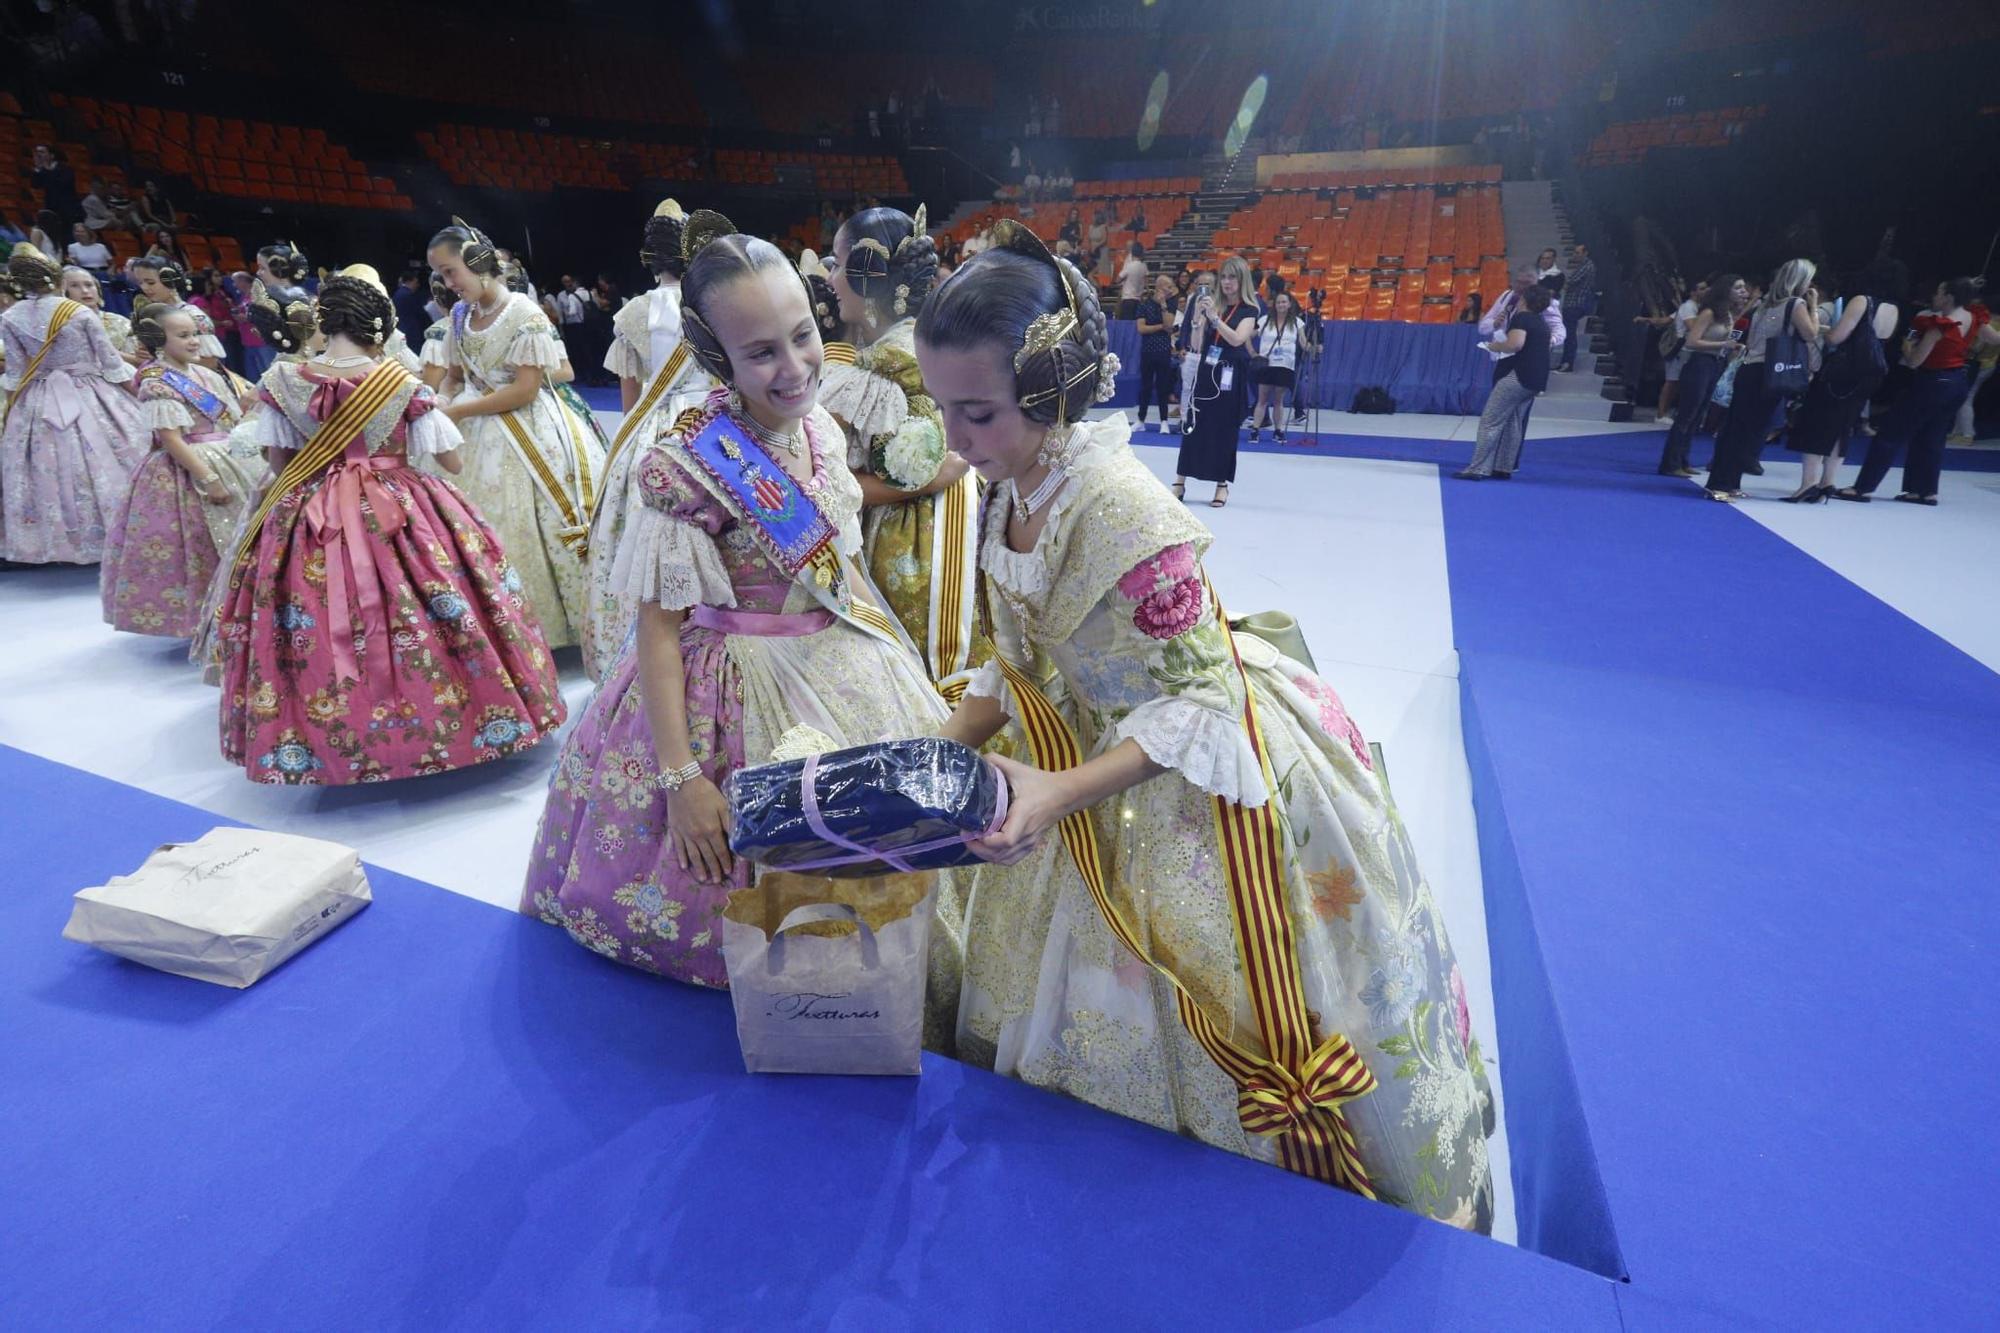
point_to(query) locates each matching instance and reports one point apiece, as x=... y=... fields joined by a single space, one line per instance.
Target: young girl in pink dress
x=186 y=499
x=755 y=632
x=372 y=628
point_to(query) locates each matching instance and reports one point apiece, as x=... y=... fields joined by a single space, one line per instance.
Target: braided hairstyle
x=32 y=271
x=472 y=246
x=826 y=308
x=284 y=261
x=719 y=256
x=288 y=329
x=170 y=274
x=891 y=265
x=357 y=308
x=660 y=247
x=149 y=325
x=9 y=289
x=998 y=295
x=443 y=295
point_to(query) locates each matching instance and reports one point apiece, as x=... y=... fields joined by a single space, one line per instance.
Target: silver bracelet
x=675 y=779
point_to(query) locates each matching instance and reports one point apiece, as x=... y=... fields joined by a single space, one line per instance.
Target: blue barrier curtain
x=1425 y=367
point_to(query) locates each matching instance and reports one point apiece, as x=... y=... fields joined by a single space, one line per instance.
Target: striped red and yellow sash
x=64 y=312
x=327 y=444
x=952 y=572
x=1295 y=1089
x=574 y=510
x=663 y=380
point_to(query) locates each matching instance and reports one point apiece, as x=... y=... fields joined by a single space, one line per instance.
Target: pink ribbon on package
x=809 y=799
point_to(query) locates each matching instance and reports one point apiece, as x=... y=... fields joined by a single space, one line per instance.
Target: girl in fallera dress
x=756 y=637
x=81 y=286
x=918 y=530
x=186 y=500
x=655 y=387
x=436 y=353
x=372 y=627
x=1211 y=775
x=164 y=282
x=530 y=467
x=74 y=434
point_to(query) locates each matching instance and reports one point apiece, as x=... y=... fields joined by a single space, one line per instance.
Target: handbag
x=1857 y=365
x=1281 y=630
x=1787 y=357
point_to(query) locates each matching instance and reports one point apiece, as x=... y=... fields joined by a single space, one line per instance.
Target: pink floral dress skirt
x=377 y=630
x=162 y=548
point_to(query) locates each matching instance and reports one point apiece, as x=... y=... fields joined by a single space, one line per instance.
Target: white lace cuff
x=534 y=347
x=1207 y=748
x=166 y=414
x=243 y=442
x=432 y=434
x=989 y=682
x=435 y=353
x=623 y=360
x=268 y=429
x=120 y=371
x=666 y=560
x=212 y=346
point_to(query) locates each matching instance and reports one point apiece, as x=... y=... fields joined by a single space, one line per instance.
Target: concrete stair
x=1535 y=221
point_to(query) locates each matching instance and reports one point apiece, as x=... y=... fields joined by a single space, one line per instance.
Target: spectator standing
x=1493 y=327
x=1834 y=399
x=213 y=299
x=1522 y=373
x=1227 y=325
x=43 y=234
x=408 y=298
x=1754 y=402
x=1711 y=342
x=1278 y=357
x=570 y=310
x=1986 y=358
x=1937 y=348
x=1156 y=359
x=1132 y=281
x=1072 y=228
x=1549 y=273
x=1100 y=230
x=87 y=252
x=1186 y=346
x=1579 y=295
x=55 y=181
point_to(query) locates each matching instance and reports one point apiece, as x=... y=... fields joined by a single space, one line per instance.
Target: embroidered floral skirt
x=602 y=868
x=1052 y=998
x=63 y=476
x=609 y=608
x=164 y=544
x=501 y=487
x=402 y=648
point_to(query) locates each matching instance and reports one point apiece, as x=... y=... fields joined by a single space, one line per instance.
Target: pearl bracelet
x=675 y=779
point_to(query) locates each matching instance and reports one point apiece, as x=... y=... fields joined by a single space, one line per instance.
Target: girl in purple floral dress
x=757 y=637
x=74 y=433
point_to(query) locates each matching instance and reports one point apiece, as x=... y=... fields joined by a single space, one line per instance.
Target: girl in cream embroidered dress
x=601 y=866
x=1110 y=609
x=497 y=479
x=647 y=332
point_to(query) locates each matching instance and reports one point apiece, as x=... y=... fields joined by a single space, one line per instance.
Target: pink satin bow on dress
x=335 y=518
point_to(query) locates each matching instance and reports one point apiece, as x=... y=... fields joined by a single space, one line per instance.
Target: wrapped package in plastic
x=894 y=806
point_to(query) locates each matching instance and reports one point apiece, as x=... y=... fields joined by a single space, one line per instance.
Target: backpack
x=1857 y=365
x=1373 y=401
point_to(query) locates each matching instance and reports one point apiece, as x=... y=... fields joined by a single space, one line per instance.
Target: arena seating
x=510 y=159
x=239 y=158
x=1628 y=141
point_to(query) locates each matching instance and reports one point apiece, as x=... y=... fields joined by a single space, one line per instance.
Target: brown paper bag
x=227 y=907
x=827 y=975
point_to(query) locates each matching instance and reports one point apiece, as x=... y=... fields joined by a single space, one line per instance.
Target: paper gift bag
x=827 y=976
x=227 y=907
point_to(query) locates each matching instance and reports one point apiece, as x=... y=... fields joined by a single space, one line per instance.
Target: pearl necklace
x=485 y=311
x=1042 y=494
x=792 y=442
x=1055 y=456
